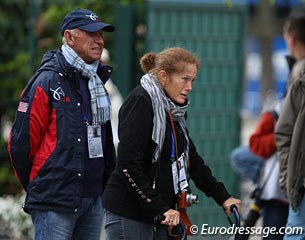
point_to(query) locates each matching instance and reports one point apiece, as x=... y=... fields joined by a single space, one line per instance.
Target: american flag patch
x=23 y=107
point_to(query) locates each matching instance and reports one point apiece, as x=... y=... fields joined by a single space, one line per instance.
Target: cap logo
x=93 y=17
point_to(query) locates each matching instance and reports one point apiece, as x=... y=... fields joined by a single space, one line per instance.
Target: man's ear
x=163 y=77
x=68 y=35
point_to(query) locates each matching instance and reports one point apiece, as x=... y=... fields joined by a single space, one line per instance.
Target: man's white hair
x=73 y=31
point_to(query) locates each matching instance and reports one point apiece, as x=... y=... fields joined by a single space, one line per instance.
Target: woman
x=153 y=140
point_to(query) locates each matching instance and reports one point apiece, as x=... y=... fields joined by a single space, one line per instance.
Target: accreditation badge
x=183 y=184
x=95 y=146
x=175 y=176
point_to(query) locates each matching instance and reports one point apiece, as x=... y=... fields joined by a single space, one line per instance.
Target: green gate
x=216 y=33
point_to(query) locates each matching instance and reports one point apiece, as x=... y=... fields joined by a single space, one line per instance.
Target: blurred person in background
x=246 y=164
x=290 y=128
x=115 y=98
x=61 y=143
x=263 y=143
x=258 y=162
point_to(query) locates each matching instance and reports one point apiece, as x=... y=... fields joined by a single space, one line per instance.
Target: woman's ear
x=163 y=77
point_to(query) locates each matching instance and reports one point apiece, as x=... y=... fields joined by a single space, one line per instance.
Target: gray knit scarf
x=162 y=104
x=100 y=102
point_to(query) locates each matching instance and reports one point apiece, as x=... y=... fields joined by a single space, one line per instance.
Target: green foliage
x=14 y=74
x=12 y=29
x=8 y=182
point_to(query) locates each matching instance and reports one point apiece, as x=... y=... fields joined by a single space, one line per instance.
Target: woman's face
x=178 y=85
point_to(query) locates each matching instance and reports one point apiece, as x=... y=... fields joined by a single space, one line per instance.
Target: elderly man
x=61 y=143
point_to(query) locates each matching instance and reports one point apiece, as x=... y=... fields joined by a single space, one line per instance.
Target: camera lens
x=192 y=198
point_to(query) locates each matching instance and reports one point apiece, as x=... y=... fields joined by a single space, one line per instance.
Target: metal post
x=33 y=12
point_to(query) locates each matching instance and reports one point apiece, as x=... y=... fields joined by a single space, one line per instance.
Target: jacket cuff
x=221 y=195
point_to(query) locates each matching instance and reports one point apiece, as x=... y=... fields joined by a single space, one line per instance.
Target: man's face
x=88 y=45
x=289 y=43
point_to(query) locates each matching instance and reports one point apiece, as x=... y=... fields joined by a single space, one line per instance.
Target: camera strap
x=183 y=214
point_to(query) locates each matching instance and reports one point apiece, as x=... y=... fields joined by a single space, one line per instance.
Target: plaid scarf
x=161 y=104
x=100 y=102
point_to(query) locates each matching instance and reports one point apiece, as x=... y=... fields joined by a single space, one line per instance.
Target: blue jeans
x=296 y=219
x=121 y=228
x=246 y=164
x=84 y=225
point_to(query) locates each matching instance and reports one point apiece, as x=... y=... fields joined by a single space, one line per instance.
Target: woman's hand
x=229 y=202
x=172 y=217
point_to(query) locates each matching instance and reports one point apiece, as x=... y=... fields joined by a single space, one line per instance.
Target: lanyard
x=173 y=147
x=86 y=120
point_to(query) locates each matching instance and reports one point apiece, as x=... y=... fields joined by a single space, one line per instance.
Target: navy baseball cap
x=85 y=20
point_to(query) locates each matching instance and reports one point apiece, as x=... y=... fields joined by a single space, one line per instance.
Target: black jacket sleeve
x=110 y=156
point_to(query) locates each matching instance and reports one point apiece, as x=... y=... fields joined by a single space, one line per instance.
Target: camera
x=186 y=199
x=191 y=198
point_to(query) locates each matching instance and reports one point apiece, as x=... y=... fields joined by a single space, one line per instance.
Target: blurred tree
x=13 y=57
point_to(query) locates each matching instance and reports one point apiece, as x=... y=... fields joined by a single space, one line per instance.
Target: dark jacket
x=129 y=191
x=290 y=141
x=289 y=134
x=48 y=137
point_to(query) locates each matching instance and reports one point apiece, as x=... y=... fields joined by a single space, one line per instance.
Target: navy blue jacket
x=48 y=137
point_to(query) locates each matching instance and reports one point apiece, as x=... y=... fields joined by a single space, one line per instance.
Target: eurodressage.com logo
x=233 y=230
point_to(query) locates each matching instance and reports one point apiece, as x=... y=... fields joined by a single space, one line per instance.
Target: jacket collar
x=54 y=60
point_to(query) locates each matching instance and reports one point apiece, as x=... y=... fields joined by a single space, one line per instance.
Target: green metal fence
x=216 y=33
